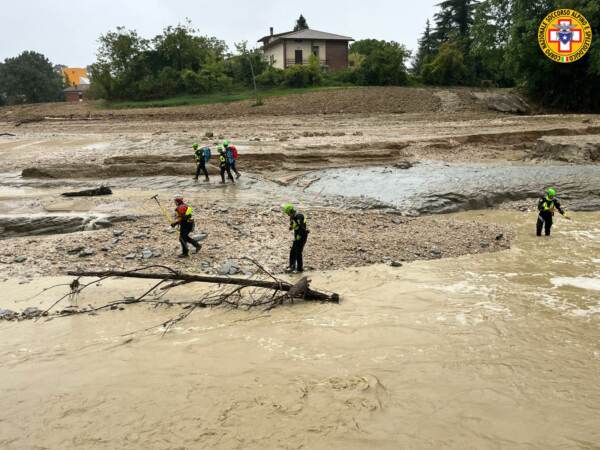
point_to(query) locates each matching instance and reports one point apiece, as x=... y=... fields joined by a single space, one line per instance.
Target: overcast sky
x=67 y=31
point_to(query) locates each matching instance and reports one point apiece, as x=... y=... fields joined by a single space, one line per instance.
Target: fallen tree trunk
x=306 y=294
x=102 y=190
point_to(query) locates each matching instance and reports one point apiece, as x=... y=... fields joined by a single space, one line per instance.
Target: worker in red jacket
x=185 y=221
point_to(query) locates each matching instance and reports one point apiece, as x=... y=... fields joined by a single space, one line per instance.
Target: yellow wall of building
x=73 y=75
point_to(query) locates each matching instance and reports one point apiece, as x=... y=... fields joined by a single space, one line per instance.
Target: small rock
x=156 y=254
x=7 y=314
x=402 y=165
x=397 y=220
x=147 y=254
x=116 y=241
x=130 y=256
x=20 y=259
x=396 y=264
x=102 y=223
x=31 y=313
x=87 y=252
x=118 y=233
x=209 y=134
x=200 y=236
x=228 y=268
x=484 y=244
x=500 y=237
x=435 y=252
x=106 y=248
x=139 y=236
x=75 y=250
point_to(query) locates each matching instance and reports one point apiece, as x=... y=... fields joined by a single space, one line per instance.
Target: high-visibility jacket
x=548 y=205
x=184 y=214
x=299 y=226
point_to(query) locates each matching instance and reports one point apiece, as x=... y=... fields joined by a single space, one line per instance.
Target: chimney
x=271 y=30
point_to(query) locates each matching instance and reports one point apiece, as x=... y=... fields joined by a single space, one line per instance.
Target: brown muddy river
x=497 y=350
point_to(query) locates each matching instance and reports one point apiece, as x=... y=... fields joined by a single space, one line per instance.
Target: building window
x=315 y=50
x=271 y=59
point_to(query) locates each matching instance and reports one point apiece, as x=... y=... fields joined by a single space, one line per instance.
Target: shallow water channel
x=495 y=350
x=435 y=187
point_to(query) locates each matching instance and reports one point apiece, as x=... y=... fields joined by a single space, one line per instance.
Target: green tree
x=29 y=78
x=447 y=68
x=384 y=63
x=301 y=24
x=453 y=22
x=427 y=47
x=490 y=41
x=239 y=66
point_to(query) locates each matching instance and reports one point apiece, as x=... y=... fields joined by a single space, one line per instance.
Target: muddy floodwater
x=434 y=187
x=498 y=350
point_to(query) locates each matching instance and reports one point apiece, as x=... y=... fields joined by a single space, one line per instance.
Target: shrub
x=447 y=68
x=271 y=77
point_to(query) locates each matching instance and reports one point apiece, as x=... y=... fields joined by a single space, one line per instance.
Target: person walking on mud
x=232 y=156
x=185 y=221
x=224 y=166
x=202 y=155
x=298 y=226
x=546 y=207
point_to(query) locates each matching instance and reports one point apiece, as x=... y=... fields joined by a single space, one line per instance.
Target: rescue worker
x=231 y=153
x=183 y=218
x=546 y=207
x=200 y=156
x=224 y=165
x=298 y=226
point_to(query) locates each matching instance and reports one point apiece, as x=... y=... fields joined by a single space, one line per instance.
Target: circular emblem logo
x=565 y=35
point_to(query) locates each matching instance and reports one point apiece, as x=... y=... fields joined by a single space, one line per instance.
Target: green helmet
x=225 y=143
x=287 y=208
x=195 y=146
x=551 y=192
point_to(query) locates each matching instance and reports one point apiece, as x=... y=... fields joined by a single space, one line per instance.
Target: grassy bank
x=190 y=100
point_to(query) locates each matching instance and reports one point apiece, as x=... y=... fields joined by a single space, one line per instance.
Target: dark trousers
x=225 y=168
x=296 y=261
x=234 y=168
x=544 y=221
x=201 y=167
x=185 y=228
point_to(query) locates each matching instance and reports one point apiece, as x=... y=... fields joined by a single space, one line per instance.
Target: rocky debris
x=396 y=264
x=102 y=190
x=118 y=232
x=366 y=238
x=28 y=313
x=229 y=268
x=209 y=135
x=573 y=149
x=20 y=259
x=502 y=102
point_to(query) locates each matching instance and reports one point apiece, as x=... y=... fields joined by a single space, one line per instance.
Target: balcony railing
x=292 y=62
